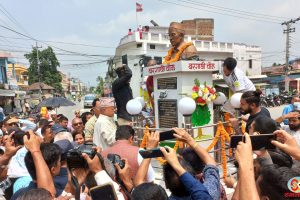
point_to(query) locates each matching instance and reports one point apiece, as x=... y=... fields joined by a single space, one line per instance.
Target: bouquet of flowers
x=203 y=95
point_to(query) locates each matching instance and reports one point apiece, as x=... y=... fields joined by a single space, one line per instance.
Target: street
x=69 y=111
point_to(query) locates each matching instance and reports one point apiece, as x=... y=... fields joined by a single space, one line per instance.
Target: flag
x=139 y=7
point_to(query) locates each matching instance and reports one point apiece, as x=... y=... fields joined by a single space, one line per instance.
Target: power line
x=236 y=16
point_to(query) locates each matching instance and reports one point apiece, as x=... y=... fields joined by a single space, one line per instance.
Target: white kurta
x=104 y=131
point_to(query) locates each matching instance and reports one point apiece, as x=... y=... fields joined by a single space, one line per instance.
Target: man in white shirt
x=294 y=124
x=236 y=80
x=105 y=127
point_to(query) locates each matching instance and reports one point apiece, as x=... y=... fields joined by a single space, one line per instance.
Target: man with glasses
x=105 y=127
x=77 y=125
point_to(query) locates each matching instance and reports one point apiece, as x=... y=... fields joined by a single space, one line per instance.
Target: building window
x=124 y=60
x=242 y=58
x=250 y=64
x=139 y=45
x=152 y=46
x=158 y=60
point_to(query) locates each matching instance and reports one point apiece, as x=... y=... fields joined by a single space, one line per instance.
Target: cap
x=107 y=102
x=65 y=146
x=56 y=128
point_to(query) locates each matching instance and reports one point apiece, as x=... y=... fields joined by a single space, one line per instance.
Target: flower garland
x=202 y=96
x=169 y=59
x=221 y=132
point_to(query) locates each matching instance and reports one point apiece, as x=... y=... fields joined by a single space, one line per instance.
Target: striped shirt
x=237 y=81
x=89 y=128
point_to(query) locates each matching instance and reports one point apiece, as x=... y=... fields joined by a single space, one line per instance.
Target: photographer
x=101 y=175
x=124 y=140
x=122 y=93
x=42 y=162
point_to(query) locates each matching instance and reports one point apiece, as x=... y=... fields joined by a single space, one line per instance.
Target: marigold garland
x=228 y=128
x=169 y=59
x=221 y=132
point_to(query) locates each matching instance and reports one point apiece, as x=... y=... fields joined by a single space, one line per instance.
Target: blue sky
x=103 y=23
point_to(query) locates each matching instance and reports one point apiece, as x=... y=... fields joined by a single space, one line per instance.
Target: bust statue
x=180 y=50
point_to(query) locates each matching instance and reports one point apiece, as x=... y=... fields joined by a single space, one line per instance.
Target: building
x=6 y=94
x=276 y=74
x=18 y=76
x=64 y=83
x=135 y=50
x=75 y=86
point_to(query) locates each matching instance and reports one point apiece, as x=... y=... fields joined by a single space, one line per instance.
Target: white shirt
x=151 y=173
x=105 y=131
x=103 y=178
x=295 y=134
x=237 y=81
x=16 y=166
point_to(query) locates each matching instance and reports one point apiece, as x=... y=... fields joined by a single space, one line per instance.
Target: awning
x=7 y=93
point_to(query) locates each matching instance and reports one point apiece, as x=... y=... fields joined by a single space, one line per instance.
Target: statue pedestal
x=171 y=82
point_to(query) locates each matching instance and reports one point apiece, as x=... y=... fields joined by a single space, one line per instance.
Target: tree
x=48 y=68
x=100 y=86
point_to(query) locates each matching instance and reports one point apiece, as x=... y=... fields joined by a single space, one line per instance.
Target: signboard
x=167 y=83
x=183 y=66
x=167 y=113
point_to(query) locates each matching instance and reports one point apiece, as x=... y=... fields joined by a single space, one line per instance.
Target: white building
x=155 y=44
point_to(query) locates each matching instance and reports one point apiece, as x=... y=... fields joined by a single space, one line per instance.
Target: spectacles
x=76 y=124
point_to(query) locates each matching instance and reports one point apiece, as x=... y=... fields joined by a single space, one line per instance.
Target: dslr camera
x=116 y=159
x=75 y=159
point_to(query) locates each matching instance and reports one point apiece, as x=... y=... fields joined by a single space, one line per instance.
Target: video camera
x=75 y=159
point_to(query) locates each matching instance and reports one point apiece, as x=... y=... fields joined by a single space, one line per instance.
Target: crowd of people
x=36 y=162
x=94 y=154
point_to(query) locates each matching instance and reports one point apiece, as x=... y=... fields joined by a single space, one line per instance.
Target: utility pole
x=287 y=31
x=38 y=65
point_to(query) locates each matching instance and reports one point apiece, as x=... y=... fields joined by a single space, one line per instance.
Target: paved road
x=69 y=110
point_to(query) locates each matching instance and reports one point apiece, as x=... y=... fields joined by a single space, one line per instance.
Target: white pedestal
x=171 y=82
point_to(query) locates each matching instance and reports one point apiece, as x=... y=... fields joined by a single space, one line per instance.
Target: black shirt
x=263 y=112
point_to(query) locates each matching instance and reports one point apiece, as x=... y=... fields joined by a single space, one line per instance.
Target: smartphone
x=259 y=142
x=152 y=153
x=166 y=135
x=105 y=191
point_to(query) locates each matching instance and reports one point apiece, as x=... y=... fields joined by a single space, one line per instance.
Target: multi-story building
x=64 y=83
x=75 y=86
x=18 y=76
x=136 y=49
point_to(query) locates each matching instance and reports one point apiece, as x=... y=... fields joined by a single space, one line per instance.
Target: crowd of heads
x=58 y=149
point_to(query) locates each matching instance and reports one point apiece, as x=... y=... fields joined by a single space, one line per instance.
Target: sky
x=100 y=25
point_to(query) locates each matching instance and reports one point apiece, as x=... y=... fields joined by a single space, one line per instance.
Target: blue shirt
x=194 y=187
x=287 y=109
x=212 y=181
x=60 y=181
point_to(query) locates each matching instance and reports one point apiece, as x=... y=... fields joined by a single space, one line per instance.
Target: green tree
x=100 y=86
x=48 y=68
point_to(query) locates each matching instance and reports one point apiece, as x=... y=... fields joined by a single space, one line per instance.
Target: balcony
x=164 y=39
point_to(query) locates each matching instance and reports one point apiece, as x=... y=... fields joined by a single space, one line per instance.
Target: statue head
x=176 y=34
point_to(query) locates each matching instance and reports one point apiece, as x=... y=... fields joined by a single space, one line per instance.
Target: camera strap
x=76 y=185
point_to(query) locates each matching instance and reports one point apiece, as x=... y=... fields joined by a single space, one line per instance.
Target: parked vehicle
x=270 y=101
x=276 y=99
x=263 y=101
x=88 y=100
